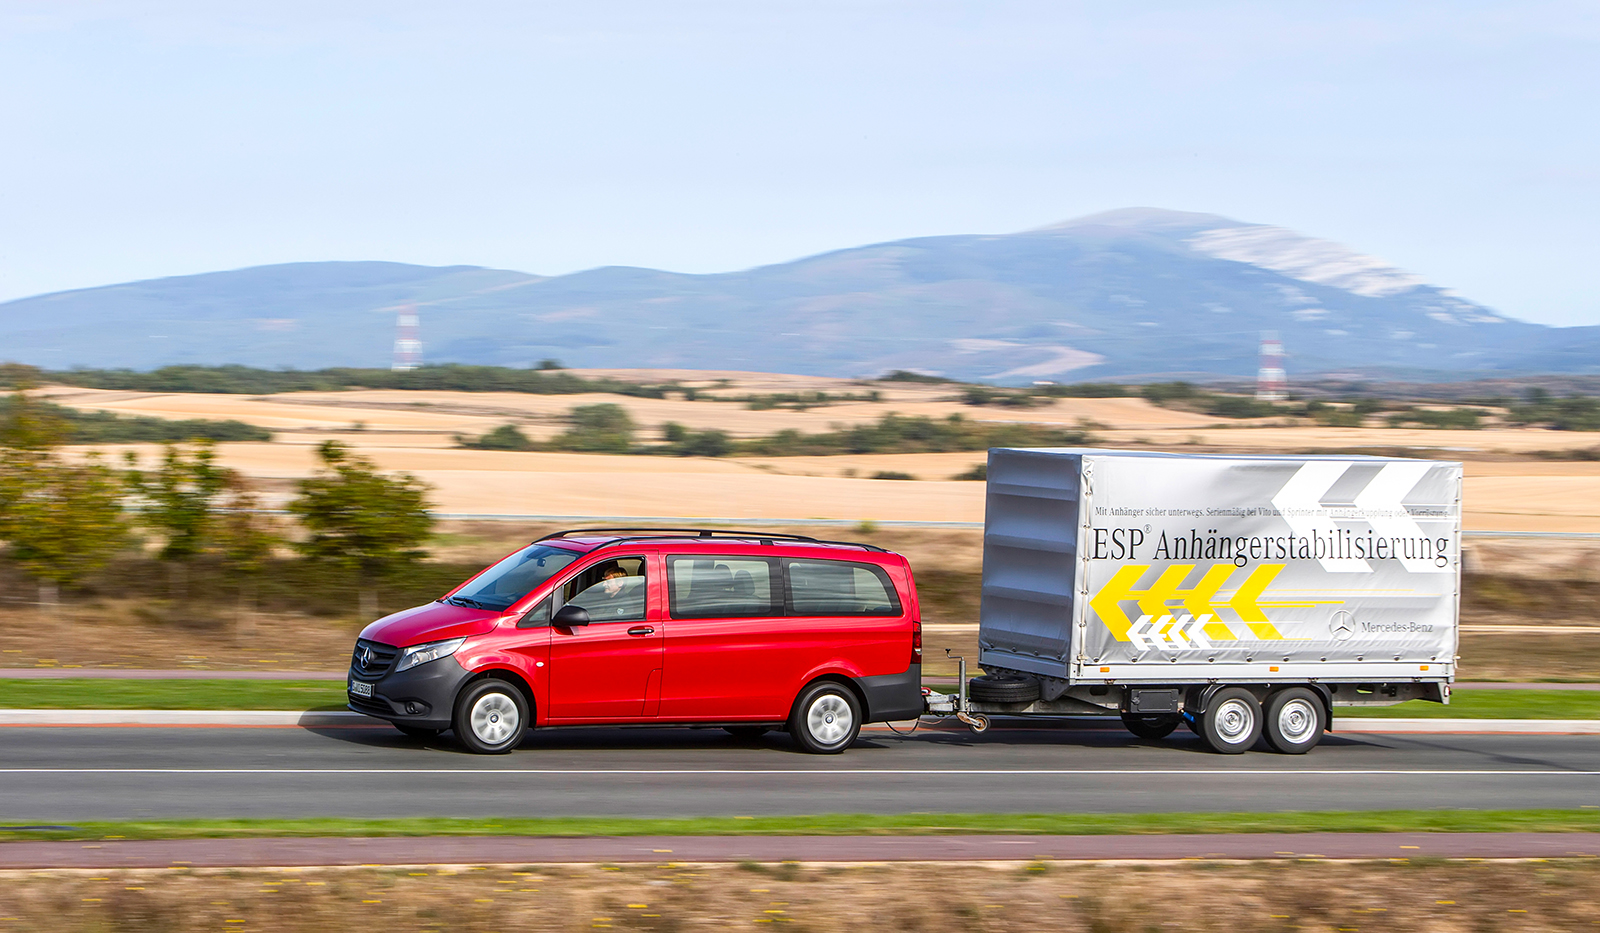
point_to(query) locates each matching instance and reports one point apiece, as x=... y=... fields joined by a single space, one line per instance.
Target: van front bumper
x=423 y=696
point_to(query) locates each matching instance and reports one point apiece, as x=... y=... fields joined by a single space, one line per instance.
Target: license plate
x=360 y=689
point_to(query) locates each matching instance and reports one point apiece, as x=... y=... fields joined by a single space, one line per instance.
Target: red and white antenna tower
x=407 y=346
x=1272 y=385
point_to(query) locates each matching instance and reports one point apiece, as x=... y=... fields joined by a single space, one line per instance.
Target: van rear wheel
x=826 y=719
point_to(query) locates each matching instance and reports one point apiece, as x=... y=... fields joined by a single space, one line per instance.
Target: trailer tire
x=1294 y=720
x=1231 y=723
x=1003 y=688
x=1148 y=726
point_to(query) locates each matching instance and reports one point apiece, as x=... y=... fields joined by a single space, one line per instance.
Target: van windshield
x=515 y=577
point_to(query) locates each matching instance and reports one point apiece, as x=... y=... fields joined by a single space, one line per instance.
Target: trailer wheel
x=1150 y=726
x=1294 y=720
x=1232 y=721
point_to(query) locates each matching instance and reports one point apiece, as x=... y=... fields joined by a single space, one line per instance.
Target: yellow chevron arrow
x=1198 y=601
x=1244 y=601
x=1107 y=604
x=1153 y=601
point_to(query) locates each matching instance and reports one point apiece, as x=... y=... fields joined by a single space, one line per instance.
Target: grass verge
x=911 y=824
x=95 y=693
x=1489 y=704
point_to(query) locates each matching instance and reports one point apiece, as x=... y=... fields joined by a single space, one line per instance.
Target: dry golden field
x=1507 y=489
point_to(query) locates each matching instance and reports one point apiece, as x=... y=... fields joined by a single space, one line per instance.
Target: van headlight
x=432 y=651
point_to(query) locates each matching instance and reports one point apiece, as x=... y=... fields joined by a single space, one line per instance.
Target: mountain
x=1136 y=292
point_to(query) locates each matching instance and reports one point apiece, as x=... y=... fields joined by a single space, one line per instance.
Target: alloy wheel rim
x=830 y=719
x=495 y=718
x=1235 y=720
x=1296 y=720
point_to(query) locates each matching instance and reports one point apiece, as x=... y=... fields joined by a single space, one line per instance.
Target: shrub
x=505 y=437
x=602 y=428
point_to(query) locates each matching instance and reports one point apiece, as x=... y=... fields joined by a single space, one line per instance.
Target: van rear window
x=840 y=588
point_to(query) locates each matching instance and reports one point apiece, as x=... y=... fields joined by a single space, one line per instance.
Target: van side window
x=537 y=617
x=612 y=590
x=721 y=587
x=840 y=588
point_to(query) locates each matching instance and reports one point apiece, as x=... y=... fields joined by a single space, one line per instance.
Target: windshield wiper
x=464 y=601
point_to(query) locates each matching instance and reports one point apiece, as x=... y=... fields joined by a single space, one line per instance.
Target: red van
x=744 y=630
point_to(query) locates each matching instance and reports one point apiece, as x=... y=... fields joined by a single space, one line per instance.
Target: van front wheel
x=826 y=719
x=491 y=717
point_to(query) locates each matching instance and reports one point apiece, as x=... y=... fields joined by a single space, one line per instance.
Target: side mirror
x=570 y=616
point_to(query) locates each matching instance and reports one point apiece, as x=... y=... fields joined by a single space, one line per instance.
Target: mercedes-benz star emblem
x=364 y=657
x=1341 y=626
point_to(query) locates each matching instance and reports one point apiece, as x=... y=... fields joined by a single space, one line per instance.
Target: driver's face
x=613 y=582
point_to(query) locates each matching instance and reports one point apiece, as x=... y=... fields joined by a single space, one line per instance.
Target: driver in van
x=611 y=582
x=611 y=597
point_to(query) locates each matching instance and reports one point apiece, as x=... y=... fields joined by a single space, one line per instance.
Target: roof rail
x=702 y=533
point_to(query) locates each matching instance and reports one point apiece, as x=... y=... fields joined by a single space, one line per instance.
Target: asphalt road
x=65 y=774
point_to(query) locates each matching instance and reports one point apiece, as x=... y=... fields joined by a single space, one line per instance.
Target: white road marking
x=952 y=772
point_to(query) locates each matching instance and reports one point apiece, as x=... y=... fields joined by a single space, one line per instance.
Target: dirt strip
x=482 y=850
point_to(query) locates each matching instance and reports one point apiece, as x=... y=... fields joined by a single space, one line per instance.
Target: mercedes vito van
x=607 y=626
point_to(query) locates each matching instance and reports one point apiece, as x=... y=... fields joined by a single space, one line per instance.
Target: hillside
x=1127 y=293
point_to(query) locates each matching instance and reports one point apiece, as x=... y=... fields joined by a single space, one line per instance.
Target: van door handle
x=641 y=630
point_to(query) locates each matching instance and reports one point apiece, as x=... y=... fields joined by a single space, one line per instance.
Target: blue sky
x=1458 y=140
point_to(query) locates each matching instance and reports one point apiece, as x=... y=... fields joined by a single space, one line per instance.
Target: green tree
x=61 y=520
x=29 y=424
x=177 y=498
x=602 y=428
x=359 y=518
x=176 y=501
x=244 y=541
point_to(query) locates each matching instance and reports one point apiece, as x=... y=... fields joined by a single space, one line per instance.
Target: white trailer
x=1244 y=596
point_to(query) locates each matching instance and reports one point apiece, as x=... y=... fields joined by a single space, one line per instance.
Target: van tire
x=1232 y=721
x=491 y=717
x=1147 y=726
x=826 y=718
x=1003 y=688
x=1294 y=720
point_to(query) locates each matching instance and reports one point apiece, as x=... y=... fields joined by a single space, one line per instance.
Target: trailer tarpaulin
x=1170 y=567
